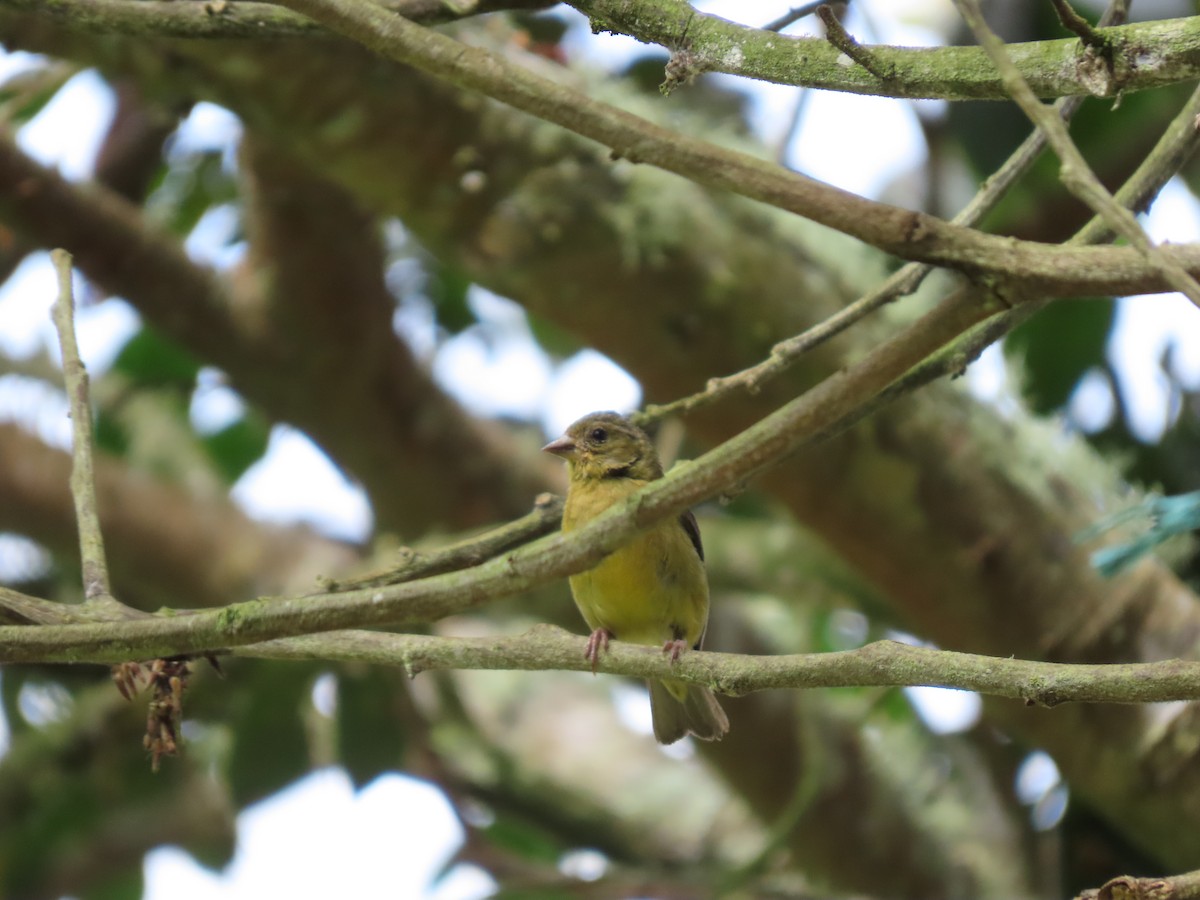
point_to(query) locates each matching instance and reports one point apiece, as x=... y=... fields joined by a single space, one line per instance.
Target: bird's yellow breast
x=649 y=591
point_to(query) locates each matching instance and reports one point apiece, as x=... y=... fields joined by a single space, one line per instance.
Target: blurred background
x=332 y=307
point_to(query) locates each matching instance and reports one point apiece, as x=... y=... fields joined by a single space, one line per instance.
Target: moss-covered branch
x=879 y=664
x=1145 y=55
x=829 y=407
x=1130 y=887
x=209 y=19
x=910 y=235
x=1054 y=271
x=1076 y=174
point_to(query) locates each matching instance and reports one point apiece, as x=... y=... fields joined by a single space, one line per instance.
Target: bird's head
x=606 y=445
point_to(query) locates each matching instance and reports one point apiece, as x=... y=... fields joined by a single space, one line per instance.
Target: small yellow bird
x=650 y=591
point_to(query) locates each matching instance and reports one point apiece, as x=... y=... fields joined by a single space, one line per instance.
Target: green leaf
x=110 y=434
x=370 y=730
x=10 y=690
x=524 y=838
x=532 y=893
x=27 y=92
x=554 y=340
x=238 y=446
x=149 y=359
x=190 y=188
x=1058 y=347
x=447 y=289
x=270 y=743
x=129 y=884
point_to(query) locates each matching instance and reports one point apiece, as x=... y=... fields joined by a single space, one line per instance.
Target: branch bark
x=1053 y=68
x=195 y=19
x=97 y=589
x=907 y=234
x=827 y=409
x=1145 y=55
x=1075 y=172
x=880 y=664
x=1127 y=887
x=165 y=545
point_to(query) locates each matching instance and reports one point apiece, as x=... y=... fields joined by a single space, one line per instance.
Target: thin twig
x=908 y=234
x=96 y=584
x=792 y=16
x=21 y=609
x=1129 y=887
x=1075 y=173
x=902 y=282
x=837 y=35
x=1030 y=149
x=541 y=520
x=1073 y=21
x=1178 y=143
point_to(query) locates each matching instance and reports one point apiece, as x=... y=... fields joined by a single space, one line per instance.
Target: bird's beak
x=563 y=446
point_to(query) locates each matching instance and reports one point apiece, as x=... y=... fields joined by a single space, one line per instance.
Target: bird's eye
x=599 y=435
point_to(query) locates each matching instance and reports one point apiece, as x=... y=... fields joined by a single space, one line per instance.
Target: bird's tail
x=679 y=709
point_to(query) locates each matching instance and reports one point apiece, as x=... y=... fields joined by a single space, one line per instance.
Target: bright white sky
x=320 y=838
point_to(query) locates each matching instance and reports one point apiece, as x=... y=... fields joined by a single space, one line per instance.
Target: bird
x=653 y=590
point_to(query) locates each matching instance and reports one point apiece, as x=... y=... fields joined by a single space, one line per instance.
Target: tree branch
x=164 y=544
x=97 y=589
x=1177 y=144
x=908 y=234
x=948 y=73
x=1073 y=21
x=1075 y=172
x=900 y=283
x=879 y=664
x=829 y=407
x=716 y=44
x=837 y=35
x=543 y=519
x=1128 y=887
x=96 y=585
x=237 y=19
x=1174 y=148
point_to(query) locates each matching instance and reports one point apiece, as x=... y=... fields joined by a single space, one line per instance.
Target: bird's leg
x=597 y=644
x=675 y=648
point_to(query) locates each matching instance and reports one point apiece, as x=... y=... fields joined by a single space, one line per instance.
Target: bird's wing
x=688 y=521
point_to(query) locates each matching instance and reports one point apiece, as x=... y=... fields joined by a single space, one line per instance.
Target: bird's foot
x=597 y=644
x=675 y=648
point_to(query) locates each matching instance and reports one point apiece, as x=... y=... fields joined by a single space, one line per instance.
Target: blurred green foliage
x=1057 y=348
x=370 y=722
x=266 y=717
